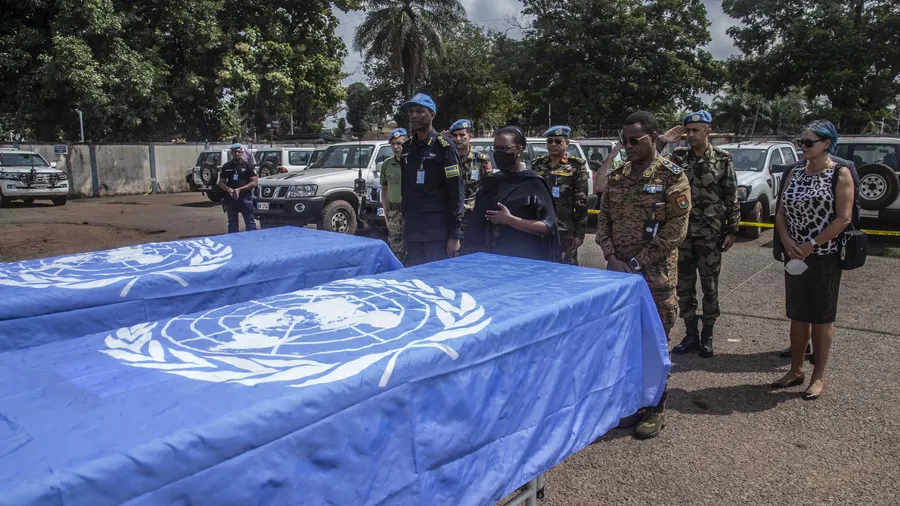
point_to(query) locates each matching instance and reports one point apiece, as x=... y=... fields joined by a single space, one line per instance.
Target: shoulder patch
x=451 y=171
x=674 y=169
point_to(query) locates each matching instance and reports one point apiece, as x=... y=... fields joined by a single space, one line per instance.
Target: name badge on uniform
x=474 y=176
x=420 y=177
x=235 y=176
x=556 y=192
x=653 y=188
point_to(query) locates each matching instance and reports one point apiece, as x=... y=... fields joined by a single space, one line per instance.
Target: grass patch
x=891 y=252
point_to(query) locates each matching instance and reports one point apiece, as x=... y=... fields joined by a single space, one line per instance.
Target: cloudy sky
x=493 y=14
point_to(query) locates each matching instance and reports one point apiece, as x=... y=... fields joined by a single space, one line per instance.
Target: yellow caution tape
x=868 y=232
x=593 y=211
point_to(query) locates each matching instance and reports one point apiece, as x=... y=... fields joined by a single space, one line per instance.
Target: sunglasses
x=632 y=141
x=505 y=149
x=556 y=141
x=806 y=143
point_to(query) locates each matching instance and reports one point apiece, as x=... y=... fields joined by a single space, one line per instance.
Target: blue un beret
x=236 y=145
x=558 y=131
x=460 y=124
x=397 y=132
x=421 y=99
x=697 y=117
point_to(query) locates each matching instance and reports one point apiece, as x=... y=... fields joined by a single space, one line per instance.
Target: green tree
x=595 y=61
x=359 y=103
x=340 y=128
x=407 y=34
x=841 y=51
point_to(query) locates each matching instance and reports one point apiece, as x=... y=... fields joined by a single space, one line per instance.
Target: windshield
x=346 y=156
x=748 y=159
x=22 y=160
x=209 y=157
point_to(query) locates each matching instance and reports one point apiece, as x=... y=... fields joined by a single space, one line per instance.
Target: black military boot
x=706 y=346
x=691 y=341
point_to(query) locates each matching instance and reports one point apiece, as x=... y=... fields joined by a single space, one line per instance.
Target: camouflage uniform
x=472 y=173
x=569 y=182
x=390 y=184
x=627 y=203
x=714 y=214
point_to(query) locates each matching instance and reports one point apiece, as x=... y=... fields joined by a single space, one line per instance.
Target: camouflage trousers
x=661 y=281
x=569 y=251
x=394 y=220
x=703 y=256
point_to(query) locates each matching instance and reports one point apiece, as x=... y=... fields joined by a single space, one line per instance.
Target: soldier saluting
x=567 y=177
x=713 y=227
x=643 y=218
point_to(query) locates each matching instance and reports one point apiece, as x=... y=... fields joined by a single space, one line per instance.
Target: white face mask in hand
x=796 y=267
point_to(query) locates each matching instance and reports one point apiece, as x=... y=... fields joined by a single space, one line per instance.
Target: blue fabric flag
x=448 y=383
x=49 y=299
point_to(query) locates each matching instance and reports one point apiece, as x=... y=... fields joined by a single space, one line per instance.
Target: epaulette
x=613 y=169
x=444 y=142
x=578 y=159
x=721 y=152
x=674 y=169
x=483 y=157
x=682 y=149
x=538 y=157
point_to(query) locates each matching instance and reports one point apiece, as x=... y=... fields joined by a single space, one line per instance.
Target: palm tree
x=407 y=33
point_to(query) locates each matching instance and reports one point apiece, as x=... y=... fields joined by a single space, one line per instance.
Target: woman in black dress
x=514 y=213
x=815 y=208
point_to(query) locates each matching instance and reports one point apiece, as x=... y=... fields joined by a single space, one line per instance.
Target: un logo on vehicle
x=308 y=337
x=125 y=266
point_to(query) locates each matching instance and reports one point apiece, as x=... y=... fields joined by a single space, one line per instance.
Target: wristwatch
x=635 y=264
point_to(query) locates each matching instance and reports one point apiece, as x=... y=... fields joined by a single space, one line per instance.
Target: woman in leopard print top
x=814 y=210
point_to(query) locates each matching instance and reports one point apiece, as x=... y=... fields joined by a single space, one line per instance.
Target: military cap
x=421 y=99
x=697 y=117
x=236 y=145
x=460 y=124
x=397 y=132
x=558 y=131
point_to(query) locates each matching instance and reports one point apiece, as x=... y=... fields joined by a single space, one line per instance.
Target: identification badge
x=474 y=176
x=235 y=177
x=556 y=192
x=653 y=188
x=420 y=177
x=379 y=211
x=651 y=227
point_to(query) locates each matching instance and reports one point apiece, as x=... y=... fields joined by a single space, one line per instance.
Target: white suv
x=26 y=175
x=757 y=183
x=273 y=161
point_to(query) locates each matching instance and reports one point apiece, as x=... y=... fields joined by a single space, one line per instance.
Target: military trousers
x=569 y=251
x=394 y=220
x=699 y=255
x=661 y=280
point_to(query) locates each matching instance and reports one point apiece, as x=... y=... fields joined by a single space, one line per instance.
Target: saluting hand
x=501 y=216
x=673 y=134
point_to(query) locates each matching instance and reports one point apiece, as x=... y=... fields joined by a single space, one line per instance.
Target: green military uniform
x=660 y=192
x=472 y=169
x=714 y=214
x=569 y=183
x=390 y=184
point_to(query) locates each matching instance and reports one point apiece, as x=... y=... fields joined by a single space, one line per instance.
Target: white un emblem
x=305 y=338
x=125 y=266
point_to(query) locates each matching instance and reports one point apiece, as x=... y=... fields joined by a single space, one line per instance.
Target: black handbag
x=853 y=249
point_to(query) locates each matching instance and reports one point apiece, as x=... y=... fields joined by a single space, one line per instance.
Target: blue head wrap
x=824 y=129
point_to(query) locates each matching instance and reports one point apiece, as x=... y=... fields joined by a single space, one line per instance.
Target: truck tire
x=208 y=174
x=878 y=186
x=338 y=216
x=266 y=169
x=4 y=201
x=59 y=201
x=28 y=201
x=755 y=215
x=214 y=196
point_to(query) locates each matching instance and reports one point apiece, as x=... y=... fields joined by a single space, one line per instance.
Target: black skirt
x=812 y=297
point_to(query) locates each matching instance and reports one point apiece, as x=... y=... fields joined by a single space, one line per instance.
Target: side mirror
x=53 y=165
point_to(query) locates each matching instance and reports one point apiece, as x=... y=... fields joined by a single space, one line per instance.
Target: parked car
x=27 y=176
x=271 y=161
x=877 y=161
x=323 y=193
x=758 y=184
x=204 y=177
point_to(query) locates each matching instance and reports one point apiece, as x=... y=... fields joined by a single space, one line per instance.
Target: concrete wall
x=123 y=169
x=173 y=163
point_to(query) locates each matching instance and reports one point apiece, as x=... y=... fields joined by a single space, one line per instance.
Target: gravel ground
x=729 y=440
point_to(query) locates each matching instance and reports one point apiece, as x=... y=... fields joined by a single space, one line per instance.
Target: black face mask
x=505 y=161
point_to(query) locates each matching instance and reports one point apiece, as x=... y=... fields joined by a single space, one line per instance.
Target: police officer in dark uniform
x=238 y=179
x=431 y=186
